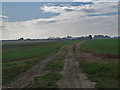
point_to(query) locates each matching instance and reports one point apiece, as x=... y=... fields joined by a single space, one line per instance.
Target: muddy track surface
x=73 y=77
x=24 y=78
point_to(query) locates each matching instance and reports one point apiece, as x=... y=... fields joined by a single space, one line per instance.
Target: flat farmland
x=61 y=64
x=20 y=56
x=101 y=46
x=101 y=62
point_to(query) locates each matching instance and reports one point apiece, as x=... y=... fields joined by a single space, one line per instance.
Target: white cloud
x=75 y=23
x=59 y=0
x=96 y=0
x=2 y=16
x=36 y=0
x=2 y=19
x=83 y=10
x=83 y=0
x=59 y=9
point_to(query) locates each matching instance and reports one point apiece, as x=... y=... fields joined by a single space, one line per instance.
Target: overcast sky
x=43 y=20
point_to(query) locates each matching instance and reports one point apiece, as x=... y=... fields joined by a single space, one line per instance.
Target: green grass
x=57 y=63
x=52 y=75
x=101 y=46
x=20 y=51
x=45 y=81
x=105 y=75
x=18 y=57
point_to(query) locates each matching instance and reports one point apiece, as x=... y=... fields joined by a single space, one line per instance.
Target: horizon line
x=63 y=37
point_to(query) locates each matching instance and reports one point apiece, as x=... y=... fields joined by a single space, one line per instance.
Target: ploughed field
x=20 y=56
x=95 y=59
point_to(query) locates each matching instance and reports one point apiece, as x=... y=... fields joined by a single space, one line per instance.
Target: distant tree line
x=69 y=38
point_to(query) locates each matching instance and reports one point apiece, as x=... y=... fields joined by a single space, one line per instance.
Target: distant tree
x=90 y=36
x=21 y=39
x=68 y=37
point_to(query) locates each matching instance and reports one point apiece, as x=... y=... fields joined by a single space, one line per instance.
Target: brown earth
x=89 y=57
x=73 y=77
x=92 y=57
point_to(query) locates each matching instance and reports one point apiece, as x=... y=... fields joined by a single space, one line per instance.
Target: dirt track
x=72 y=75
x=23 y=79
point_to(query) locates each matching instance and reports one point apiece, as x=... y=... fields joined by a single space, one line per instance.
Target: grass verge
x=45 y=81
x=105 y=75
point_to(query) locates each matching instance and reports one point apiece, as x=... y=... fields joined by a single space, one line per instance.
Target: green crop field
x=17 y=57
x=101 y=46
x=20 y=56
x=104 y=74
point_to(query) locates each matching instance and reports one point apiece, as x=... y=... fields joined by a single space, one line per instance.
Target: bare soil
x=73 y=77
x=90 y=58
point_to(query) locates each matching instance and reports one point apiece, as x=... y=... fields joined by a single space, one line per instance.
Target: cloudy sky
x=58 y=19
x=59 y=0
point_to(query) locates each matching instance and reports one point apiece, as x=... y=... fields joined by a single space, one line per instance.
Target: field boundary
x=101 y=54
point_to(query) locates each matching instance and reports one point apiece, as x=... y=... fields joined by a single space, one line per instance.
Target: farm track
x=24 y=78
x=73 y=77
x=89 y=57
